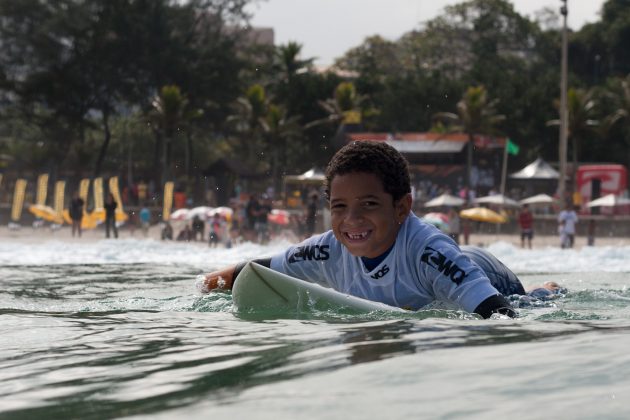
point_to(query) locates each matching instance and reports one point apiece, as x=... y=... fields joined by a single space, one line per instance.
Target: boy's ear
x=403 y=207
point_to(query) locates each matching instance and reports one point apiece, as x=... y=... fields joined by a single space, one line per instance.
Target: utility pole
x=564 y=114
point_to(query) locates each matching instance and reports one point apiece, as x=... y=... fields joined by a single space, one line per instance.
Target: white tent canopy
x=538 y=169
x=610 y=200
x=538 y=199
x=445 y=200
x=312 y=176
x=497 y=199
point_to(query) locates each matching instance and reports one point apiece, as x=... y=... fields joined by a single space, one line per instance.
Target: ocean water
x=117 y=329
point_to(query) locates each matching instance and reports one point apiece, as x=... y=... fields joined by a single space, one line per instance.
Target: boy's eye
x=370 y=204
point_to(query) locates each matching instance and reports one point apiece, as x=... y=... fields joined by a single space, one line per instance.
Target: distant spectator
x=167 y=232
x=217 y=228
x=251 y=212
x=198 y=228
x=526 y=222
x=562 y=233
x=185 y=234
x=568 y=219
x=142 y=191
x=76 y=213
x=145 y=220
x=262 y=223
x=110 y=215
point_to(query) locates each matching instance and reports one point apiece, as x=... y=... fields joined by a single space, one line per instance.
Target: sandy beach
x=27 y=234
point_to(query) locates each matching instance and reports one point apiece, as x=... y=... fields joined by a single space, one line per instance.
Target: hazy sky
x=328 y=28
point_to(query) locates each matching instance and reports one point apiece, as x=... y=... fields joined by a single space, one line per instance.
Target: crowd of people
x=456 y=227
x=249 y=220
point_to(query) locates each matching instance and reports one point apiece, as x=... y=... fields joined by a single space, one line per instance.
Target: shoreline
x=28 y=234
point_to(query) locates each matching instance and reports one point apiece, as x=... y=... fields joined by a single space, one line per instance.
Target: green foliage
x=162 y=88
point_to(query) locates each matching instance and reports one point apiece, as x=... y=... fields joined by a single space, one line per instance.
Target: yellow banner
x=84 y=187
x=121 y=216
x=18 y=200
x=42 y=189
x=168 y=200
x=113 y=188
x=60 y=187
x=98 y=193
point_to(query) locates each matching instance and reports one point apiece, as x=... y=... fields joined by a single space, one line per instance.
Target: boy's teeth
x=357 y=235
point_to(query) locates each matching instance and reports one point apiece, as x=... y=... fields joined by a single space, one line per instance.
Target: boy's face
x=364 y=217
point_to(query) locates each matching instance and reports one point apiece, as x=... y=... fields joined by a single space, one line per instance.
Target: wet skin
x=364 y=217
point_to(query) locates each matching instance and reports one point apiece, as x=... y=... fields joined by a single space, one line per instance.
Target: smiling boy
x=378 y=249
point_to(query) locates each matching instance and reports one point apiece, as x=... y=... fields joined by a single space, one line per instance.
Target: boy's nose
x=354 y=214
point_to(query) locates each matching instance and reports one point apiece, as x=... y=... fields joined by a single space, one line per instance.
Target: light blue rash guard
x=423 y=266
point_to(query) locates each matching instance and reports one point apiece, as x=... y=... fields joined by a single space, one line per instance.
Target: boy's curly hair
x=372 y=157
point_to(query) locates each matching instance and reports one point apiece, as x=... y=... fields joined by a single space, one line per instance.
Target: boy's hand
x=217 y=280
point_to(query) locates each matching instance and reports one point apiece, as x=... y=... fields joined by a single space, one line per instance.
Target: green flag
x=512 y=148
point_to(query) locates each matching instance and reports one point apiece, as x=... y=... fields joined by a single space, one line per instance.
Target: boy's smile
x=364 y=217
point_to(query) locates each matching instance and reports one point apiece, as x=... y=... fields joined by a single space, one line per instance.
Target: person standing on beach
x=568 y=219
x=526 y=222
x=145 y=220
x=76 y=213
x=110 y=215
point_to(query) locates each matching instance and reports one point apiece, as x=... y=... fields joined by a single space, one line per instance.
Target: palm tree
x=288 y=63
x=343 y=109
x=622 y=113
x=476 y=114
x=167 y=115
x=249 y=119
x=581 y=106
x=281 y=130
x=288 y=67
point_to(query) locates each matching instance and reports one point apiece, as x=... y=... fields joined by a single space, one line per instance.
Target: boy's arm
x=224 y=279
x=495 y=304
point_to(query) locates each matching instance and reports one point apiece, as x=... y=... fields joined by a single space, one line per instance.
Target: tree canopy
x=164 y=88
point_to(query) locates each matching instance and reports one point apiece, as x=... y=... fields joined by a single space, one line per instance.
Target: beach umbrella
x=87 y=221
x=279 y=217
x=538 y=199
x=445 y=200
x=482 y=214
x=225 y=212
x=180 y=215
x=497 y=199
x=46 y=213
x=439 y=220
x=610 y=200
x=201 y=211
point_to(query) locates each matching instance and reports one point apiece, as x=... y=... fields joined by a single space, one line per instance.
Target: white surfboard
x=259 y=288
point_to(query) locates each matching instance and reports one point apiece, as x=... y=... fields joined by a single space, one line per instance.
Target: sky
x=328 y=28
